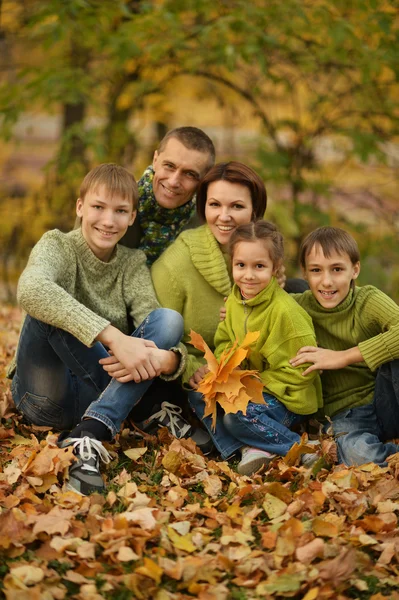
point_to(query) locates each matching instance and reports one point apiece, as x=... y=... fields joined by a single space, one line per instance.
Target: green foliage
x=309 y=72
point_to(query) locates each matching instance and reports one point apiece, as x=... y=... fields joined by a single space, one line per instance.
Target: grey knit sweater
x=65 y=285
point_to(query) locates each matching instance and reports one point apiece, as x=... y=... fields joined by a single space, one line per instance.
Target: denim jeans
x=367 y=427
x=265 y=426
x=59 y=380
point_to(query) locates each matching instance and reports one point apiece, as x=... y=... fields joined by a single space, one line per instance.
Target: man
x=167 y=190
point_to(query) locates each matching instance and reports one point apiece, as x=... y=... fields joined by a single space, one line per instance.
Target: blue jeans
x=265 y=426
x=59 y=380
x=367 y=427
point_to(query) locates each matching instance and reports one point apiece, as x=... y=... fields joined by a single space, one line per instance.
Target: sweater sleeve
x=299 y=393
x=41 y=295
x=380 y=314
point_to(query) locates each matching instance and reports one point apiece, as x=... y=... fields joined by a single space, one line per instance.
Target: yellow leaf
x=323 y=528
x=172 y=461
x=135 y=453
x=182 y=542
x=151 y=569
x=274 y=507
x=125 y=554
x=27 y=574
x=312 y=594
x=225 y=384
x=198 y=342
x=212 y=486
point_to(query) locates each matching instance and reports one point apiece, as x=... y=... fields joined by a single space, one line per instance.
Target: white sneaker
x=252 y=460
x=309 y=459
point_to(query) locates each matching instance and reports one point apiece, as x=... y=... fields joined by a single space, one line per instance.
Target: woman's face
x=228 y=205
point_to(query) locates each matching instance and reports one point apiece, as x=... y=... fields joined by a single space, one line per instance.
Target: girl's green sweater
x=283 y=331
x=367 y=318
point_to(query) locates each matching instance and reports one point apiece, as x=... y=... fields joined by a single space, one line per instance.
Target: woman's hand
x=198 y=376
x=324 y=359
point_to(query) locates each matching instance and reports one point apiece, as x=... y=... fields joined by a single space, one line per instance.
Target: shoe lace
x=174 y=413
x=88 y=448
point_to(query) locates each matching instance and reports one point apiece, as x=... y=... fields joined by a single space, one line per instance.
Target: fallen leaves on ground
x=225 y=384
x=174 y=524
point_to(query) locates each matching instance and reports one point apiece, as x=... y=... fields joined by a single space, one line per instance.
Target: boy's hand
x=198 y=376
x=325 y=359
x=133 y=358
x=222 y=312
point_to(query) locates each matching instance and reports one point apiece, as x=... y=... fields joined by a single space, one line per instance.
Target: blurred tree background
x=305 y=91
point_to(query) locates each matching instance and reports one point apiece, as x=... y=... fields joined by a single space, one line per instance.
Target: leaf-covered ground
x=174 y=524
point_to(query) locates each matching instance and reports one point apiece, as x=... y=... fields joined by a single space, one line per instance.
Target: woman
x=193 y=275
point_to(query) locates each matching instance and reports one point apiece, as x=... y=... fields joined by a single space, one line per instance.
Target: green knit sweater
x=65 y=285
x=192 y=277
x=283 y=331
x=367 y=318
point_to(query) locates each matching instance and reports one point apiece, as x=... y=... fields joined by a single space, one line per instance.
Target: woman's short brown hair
x=234 y=172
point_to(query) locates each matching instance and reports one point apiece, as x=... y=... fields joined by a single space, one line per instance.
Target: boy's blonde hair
x=330 y=239
x=263 y=231
x=116 y=179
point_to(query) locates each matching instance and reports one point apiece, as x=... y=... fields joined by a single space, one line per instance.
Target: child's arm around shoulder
x=378 y=316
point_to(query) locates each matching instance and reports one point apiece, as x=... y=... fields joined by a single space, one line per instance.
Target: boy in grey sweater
x=82 y=292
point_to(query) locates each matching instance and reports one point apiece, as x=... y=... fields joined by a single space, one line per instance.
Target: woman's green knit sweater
x=367 y=318
x=284 y=328
x=192 y=277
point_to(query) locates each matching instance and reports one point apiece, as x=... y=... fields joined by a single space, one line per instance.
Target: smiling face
x=329 y=278
x=252 y=267
x=177 y=173
x=105 y=220
x=228 y=205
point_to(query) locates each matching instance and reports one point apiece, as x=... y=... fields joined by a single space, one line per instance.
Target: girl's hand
x=198 y=376
x=321 y=359
x=222 y=313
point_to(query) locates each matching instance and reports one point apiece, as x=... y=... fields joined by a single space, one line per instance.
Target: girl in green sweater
x=257 y=303
x=357 y=331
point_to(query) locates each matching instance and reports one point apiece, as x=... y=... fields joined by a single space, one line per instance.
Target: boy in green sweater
x=82 y=292
x=357 y=329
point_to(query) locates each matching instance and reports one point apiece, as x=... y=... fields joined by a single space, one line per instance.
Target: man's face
x=178 y=171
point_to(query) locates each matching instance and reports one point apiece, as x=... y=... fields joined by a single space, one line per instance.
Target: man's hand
x=198 y=376
x=132 y=358
x=323 y=359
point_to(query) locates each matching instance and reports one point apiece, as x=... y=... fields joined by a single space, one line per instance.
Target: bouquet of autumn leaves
x=225 y=383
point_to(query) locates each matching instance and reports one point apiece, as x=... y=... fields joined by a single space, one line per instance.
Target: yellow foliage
x=225 y=384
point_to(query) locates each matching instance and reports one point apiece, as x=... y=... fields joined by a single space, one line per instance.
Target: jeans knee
x=231 y=421
x=171 y=323
x=354 y=450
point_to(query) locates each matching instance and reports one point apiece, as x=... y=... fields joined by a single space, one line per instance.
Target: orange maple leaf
x=225 y=384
